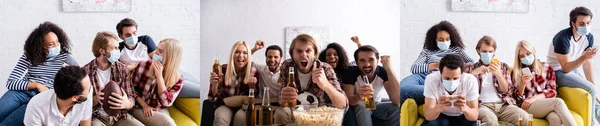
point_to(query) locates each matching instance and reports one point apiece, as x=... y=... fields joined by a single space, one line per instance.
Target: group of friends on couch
x=47 y=87
x=454 y=88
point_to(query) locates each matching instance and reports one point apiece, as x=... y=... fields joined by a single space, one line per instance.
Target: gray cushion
x=191 y=86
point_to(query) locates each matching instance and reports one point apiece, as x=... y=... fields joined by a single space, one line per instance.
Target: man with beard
x=269 y=73
x=311 y=76
x=367 y=58
x=67 y=105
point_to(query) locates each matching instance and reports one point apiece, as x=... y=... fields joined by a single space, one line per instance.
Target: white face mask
x=486 y=57
x=52 y=52
x=444 y=45
x=114 y=56
x=584 y=30
x=450 y=85
x=528 y=60
x=131 y=41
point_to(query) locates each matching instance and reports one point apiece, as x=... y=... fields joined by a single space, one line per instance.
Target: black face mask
x=81 y=99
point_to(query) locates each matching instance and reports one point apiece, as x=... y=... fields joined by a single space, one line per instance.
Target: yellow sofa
x=577 y=101
x=186 y=111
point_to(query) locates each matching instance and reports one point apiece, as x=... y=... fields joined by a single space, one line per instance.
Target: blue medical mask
x=582 y=31
x=528 y=60
x=52 y=52
x=443 y=45
x=486 y=57
x=114 y=56
x=158 y=58
x=450 y=85
x=131 y=41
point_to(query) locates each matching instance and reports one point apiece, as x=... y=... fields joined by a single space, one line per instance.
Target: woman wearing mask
x=46 y=50
x=535 y=88
x=157 y=83
x=240 y=75
x=440 y=40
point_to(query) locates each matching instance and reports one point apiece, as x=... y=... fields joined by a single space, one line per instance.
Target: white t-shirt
x=134 y=56
x=434 y=89
x=103 y=76
x=43 y=110
x=268 y=79
x=304 y=79
x=352 y=75
x=488 y=90
x=564 y=43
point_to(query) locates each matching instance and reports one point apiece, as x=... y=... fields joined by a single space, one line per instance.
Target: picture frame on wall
x=91 y=6
x=509 y=6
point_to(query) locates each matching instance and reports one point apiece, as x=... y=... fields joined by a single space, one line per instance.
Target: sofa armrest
x=208 y=113
x=409 y=113
x=578 y=100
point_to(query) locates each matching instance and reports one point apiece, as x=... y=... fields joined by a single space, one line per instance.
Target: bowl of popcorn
x=318 y=116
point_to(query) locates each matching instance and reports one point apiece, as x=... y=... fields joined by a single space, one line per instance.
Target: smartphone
x=526 y=71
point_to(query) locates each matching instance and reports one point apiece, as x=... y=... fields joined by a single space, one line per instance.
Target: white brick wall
x=160 y=19
x=545 y=19
x=226 y=21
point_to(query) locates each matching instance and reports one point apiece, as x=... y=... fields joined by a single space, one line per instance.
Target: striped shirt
x=24 y=72
x=427 y=57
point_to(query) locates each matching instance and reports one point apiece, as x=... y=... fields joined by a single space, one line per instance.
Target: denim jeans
x=13 y=105
x=412 y=87
x=386 y=114
x=574 y=80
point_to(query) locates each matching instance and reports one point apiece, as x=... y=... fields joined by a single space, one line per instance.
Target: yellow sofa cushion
x=189 y=107
x=180 y=118
x=409 y=113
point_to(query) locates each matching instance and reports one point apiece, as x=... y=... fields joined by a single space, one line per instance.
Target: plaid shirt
x=540 y=84
x=119 y=74
x=146 y=87
x=506 y=97
x=312 y=87
x=237 y=89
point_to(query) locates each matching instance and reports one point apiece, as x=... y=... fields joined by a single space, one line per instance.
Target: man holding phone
x=571 y=53
x=495 y=86
x=451 y=95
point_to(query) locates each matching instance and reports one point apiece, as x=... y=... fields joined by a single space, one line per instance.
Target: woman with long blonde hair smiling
x=237 y=80
x=157 y=83
x=535 y=88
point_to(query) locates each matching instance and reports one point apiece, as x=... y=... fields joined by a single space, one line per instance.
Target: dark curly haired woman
x=46 y=50
x=440 y=40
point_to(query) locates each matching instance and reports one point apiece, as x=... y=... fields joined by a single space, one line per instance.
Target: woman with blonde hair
x=535 y=88
x=157 y=83
x=240 y=76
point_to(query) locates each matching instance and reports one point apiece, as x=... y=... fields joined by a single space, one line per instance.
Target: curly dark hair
x=34 y=45
x=67 y=82
x=342 y=62
x=452 y=62
x=430 y=38
x=126 y=22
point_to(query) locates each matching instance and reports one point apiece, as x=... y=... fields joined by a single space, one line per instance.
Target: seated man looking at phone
x=495 y=86
x=451 y=95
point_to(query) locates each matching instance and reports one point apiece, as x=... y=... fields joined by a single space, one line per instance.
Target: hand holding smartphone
x=526 y=71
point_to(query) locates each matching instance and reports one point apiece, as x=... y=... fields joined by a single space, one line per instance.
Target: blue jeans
x=349 y=118
x=412 y=87
x=386 y=114
x=13 y=105
x=572 y=79
x=444 y=120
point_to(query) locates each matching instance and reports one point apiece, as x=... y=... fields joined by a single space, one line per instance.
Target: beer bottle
x=291 y=83
x=250 y=113
x=369 y=102
x=265 y=113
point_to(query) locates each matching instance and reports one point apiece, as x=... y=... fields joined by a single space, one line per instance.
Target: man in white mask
x=451 y=95
x=571 y=53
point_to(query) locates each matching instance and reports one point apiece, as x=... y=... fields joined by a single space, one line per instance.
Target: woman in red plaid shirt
x=157 y=83
x=535 y=88
x=235 y=81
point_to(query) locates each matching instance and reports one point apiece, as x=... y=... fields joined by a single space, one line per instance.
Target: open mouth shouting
x=367 y=70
